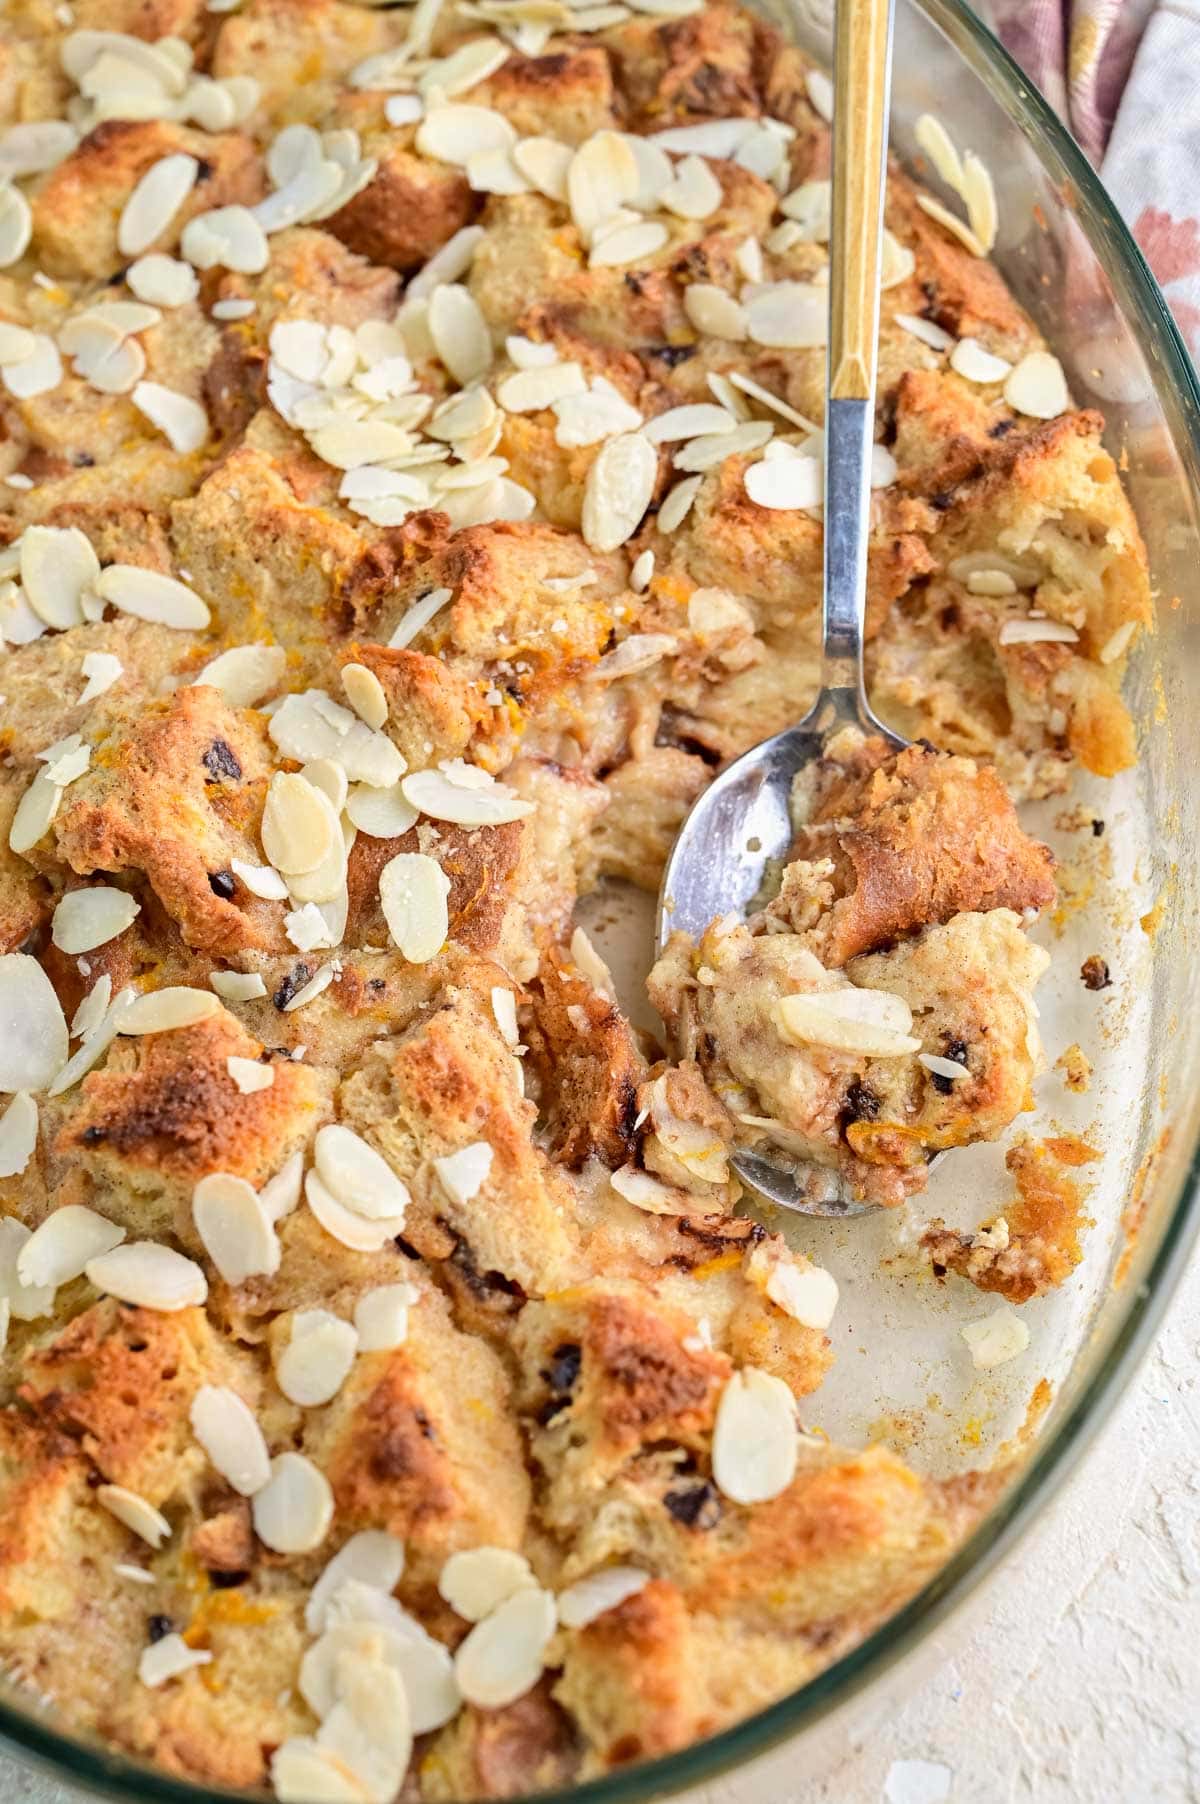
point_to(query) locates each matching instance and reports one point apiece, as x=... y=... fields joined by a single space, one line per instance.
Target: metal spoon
x=742 y=820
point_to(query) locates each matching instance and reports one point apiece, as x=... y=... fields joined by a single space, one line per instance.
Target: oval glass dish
x=1069 y=259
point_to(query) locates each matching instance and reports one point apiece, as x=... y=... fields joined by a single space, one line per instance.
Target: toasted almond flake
x=478 y=1580
x=978 y=192
x=101 y=670
x=1038 y=387
x=933 y=138
x=345 y=1225
x=154 y=202
x=37 y=373
x=365 y=694
x=530 y=390
x=701 y=454
x=453 y=134
x=598 y=1593
x=629 y=244
x=281 y=1193
x=1118 y=643
x=976 y=363
x=688 y=422
x=67 y=760
x=260 y=880
x=228 y=1431
x=603 y=176
x=169 y=1658
x=995 y=1339
x=463 y=415
x=18 y=1136
x=306 y=927
x=380 y=813
x=694 y=193
x=357 y=1176
x=643 y=566
x=949 y=1068
x=16 y=226
x=62 y=1247
x=381 y=1317
x=809 y=206
x=227 y=237
x=1037 y=632
x=166 y=1010
x=237 y=986
x=149 y=1275
x=58 y=567
x=793 y=315
x=162 y=281
x=311 y=726
x=678 y=504
x=955 y=226
x=24 y=1302
x=927 y=330
x=372 y=1557
x=302 y=1772
x=135 y=1513
x=459 y=332
x=447 y=264
x=710 y=309
x=413 y=893
x=137 y=1575
x=819 y=89
x=494 y=172
x=990 y=582
x=246 y=673
x=94 y=1007
x=366 y=1621
x=86 y=918
x=151 y=596
x=316 y=1361
x=249 y=1075
x=755 y=1439
x=544 y=162
x=299 y=827
x=293 y=1511
x=16 y=343
x=644 y=1192
x=807 y=1293
x=312 y=989
x=182 y=421
x=403 y=109
x=33 y=1029
x=789 y=482
x=618 y=490
x=884 y=468
x=502 y=1657
x=491 y=804
x=871 y=1023
x=586 y=419
x=97 y=1042
x=35 y=146
x=463 y=1174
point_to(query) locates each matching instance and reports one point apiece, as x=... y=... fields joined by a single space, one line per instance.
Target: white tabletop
x=1080 y=1682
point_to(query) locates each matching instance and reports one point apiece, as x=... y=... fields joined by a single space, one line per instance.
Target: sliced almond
x=603 y=177
x=598 y=1593
x=365 y=694
x=150 y=595
x=227 y=238
x=532 y=389
x=478 y=1580
x=149 y=1275
x=755 y=1438
x=358 y=1176
x=618 y=490
x=459 y=332
x=154 y=202
x=544 y=163
x=87 y=918
x=182 y=421
x=293 y=1511
x=372 y=1557
x=463 y=1174
x=714 y=311
x=60 y=1248
x=976 y=363
x=135 y=1513
x=234 y=1228
x=58 y=567
x=18 y=1135
x=502 y=1657
x=1038 y=387
x=488 y=805
x=167 y=1010
x=413 y=893
x=245 y=674
x=789 y=315
x=996 y=1338
x=228 y=1431
x=299 y=827
x=316 y=1361
x=454 y=134
x=381 y=1317
x=867 y=1023
x=789 y=482
x=33 y=1029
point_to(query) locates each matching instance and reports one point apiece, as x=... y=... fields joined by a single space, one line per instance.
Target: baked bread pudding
x=410 y=465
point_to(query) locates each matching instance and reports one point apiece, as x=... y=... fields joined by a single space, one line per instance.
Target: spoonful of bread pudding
x=841 y=930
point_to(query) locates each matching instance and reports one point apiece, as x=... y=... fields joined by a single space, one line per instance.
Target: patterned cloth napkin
x=1125 y=75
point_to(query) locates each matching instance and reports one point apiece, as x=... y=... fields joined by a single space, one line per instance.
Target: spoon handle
x=862 y=75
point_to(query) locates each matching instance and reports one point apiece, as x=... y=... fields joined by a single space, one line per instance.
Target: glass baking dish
x=1072 y=263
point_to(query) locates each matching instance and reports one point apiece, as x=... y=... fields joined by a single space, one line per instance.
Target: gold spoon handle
x=860 y=110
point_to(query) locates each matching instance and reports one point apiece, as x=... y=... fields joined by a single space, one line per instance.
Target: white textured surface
x=1079 y=1682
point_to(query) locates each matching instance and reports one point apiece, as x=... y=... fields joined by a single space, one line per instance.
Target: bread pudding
x=410 y=479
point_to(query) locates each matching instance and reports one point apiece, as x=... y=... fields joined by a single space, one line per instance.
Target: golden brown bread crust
x=915 y=838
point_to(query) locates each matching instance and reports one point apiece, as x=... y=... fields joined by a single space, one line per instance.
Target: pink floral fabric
x=1125 y=75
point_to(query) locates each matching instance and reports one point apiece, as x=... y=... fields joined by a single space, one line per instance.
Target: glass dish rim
x=124 y=1778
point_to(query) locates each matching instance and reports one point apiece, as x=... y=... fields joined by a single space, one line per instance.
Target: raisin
x=1095 y=973
x=862 y=1104
x=221 y=762
x=158 y=1626
x=222 y=884
x=672 y=355
x=295 y=980
x=1097 y=829
x=225 y=1581
x=563 y=1371
x=696 y=1506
